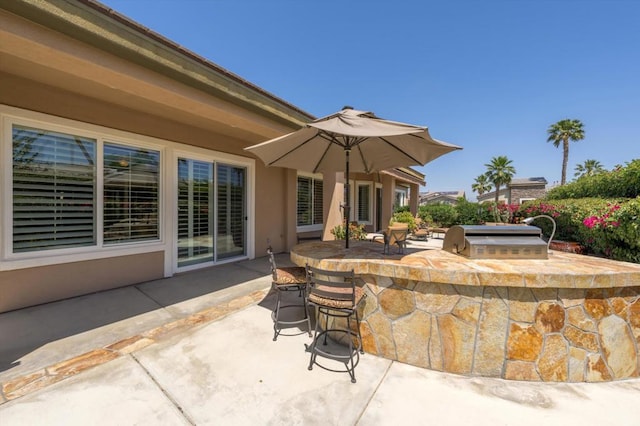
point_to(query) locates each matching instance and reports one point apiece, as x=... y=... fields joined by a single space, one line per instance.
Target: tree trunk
x=565 y=160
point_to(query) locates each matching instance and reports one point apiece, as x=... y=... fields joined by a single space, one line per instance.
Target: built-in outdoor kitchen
x=494 y=303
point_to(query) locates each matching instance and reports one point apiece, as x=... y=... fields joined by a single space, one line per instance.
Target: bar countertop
x=561 y=270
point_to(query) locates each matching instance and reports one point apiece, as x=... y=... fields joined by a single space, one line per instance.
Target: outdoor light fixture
x=529 y=220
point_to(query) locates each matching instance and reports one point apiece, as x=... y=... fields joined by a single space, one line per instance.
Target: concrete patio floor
x=197 y=349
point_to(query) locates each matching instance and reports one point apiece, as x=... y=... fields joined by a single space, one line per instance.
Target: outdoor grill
x=496 y=242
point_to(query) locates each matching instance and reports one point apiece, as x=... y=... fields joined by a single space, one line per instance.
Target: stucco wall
x=31 y=95
x=27 y=287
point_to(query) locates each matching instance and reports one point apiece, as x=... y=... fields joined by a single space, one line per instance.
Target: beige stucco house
x=441 y=197
x=518 y=191
x=122 y=159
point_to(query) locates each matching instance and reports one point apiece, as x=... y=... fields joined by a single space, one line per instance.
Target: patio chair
x=395 y=235
x=285 y=280
x=335 y=297
x=422 y=230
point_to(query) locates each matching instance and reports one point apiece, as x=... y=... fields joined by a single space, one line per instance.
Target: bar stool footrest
x=290 y=322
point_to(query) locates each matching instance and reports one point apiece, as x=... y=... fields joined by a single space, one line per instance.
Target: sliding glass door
x=211 y=212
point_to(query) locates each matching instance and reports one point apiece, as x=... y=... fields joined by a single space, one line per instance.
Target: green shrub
x=621 y=182
x=405 y=217
x=356 y=232
x=471 y=213
x=442 y=215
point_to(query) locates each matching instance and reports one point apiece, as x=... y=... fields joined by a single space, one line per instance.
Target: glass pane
x=317 y=202
x=304 y=201
x=231 y=232
x=131 y=188
x=364 y=203
x=195 y=212
x=53 y=190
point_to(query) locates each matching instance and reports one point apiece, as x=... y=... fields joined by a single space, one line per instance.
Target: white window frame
x=316 y=226
x=9 y=117
x=205 y=155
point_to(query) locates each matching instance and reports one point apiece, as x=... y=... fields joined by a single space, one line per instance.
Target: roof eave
x=406 y=174
x=97 y=25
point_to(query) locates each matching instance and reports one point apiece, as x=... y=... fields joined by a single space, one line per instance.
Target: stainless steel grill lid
x=496 y=242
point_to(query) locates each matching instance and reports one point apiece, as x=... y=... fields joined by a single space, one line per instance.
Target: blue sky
x=490 y=76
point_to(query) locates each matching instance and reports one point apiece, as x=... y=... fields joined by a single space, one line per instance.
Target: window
x=57 y=179
x=524 y=200
x=401 y=197
x=53 y=190
x=309 y=209
x=364 y=202
x=131 y=183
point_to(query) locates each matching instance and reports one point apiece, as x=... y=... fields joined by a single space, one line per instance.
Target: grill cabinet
x=496 y=242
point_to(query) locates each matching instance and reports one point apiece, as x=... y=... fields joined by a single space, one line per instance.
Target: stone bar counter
x=569 y=318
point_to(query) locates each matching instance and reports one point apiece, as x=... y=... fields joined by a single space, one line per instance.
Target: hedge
x=621 y=182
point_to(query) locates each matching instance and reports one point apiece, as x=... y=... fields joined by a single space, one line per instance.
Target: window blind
x=304 y=201
x=309 y=201
x=317 y=202
x=131 y=188
x=364 y=203
x=195 y=215
x=231 y=184
x=53 y=190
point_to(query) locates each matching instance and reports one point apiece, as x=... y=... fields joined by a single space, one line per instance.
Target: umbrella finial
x=347 y=107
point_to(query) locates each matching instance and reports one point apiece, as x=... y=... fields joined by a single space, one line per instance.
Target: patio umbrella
x=352 y=140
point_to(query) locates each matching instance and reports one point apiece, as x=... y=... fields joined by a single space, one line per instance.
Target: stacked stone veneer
x=538 y=334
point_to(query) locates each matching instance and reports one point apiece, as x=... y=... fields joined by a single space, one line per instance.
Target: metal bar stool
x=335 y=297
x=288 y=279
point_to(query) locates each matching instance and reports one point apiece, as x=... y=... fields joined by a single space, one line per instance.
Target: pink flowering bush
x=614 y=231
x=609 y=228
x=605 y=220
x=601 y=212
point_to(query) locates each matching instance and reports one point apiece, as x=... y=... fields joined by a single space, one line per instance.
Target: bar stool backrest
x=272 y=263
x=337 y=286
x=286 y=275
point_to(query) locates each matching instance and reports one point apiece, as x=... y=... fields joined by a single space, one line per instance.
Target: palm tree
x=565 y=131
x=499 y=172
x=588 y=168
x=481 y=184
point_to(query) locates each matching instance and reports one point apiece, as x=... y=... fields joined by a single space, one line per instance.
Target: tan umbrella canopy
x=352 y=140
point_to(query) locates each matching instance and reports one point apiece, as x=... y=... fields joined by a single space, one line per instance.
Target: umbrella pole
x=347 y=206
